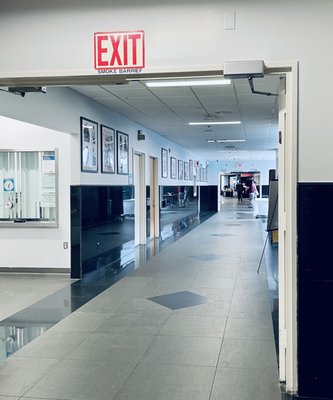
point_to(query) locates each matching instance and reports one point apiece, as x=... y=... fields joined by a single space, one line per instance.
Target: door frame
x=287 y=186
x=154 y=198
x=139 y=179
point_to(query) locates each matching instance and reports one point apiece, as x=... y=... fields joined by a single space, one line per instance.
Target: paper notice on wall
x=48 y=191
x=48 y=164
x=48 y=198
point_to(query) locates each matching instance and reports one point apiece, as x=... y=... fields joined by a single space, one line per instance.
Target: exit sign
x=119 y=50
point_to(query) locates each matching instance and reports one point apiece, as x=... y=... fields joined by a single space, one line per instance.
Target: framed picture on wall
x=89 y=145
x=180 y=170
x=173 y=168
x=122 y=153
x=108 y=149
x=190 y=170
x=164 y=163
x=185 y=170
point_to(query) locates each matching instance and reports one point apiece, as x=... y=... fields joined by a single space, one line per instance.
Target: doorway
x=287 y=199
x=140 y=198
x=154 y=227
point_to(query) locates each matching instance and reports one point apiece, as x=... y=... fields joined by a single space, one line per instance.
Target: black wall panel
x=315 y=290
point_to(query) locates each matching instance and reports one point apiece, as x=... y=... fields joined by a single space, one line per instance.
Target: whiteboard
x=272 y=219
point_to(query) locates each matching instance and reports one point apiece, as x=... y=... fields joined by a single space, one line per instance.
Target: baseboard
x=36 y=270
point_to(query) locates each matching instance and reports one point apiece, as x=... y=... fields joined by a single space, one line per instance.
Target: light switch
x=229 y=20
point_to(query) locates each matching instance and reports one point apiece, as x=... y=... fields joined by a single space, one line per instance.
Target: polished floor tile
x=245 y=328
x=178 y=300
x=245 y=384
x=115 y=348
x=18 y=375
x=244 y=353
x=9 y=398
x=180 y=325
x=144 y=323
x=52 y=345
x=180 y=350
x=82 y=380
x=120 y=345
x=81 y=322
x=163 y=382
x=206 y=257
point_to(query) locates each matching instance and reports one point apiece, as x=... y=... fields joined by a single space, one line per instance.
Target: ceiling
x=168 y=110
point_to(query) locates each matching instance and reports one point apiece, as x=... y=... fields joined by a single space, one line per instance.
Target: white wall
x=53 y=120
x=41 y=39
x=38 y=247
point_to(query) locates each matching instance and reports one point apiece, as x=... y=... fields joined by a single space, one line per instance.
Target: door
x=287 y=176
x=154 y=199
x=140 y=199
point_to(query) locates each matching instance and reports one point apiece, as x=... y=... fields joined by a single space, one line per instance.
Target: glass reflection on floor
x=21 y=328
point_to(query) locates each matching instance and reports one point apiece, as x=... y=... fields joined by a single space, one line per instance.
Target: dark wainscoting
x=208 y=198
x=315 y=290
x=178 y=209
x=102 y=226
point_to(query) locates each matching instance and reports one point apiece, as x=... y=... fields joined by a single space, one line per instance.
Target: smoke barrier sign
x=121 y=52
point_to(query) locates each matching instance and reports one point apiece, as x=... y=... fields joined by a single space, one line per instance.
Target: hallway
x=193 y=323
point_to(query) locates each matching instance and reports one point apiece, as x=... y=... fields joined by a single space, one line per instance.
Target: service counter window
x=28 y=194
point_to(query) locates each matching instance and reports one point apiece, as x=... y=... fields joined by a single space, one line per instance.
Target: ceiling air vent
x=230 y=147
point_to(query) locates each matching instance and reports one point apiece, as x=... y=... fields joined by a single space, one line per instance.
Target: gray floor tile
x=247 y=308
x=52 y=345
x=8 y=398
x=112 y=347
x=246 y=384
x=144 y=323
x=206 y=257
x=180 y=350
x=163 y=382
x=250 y=295
x=18 y=291
x=180 y=325
x=218 y=272
x=209 y=309
x=17 y=375
x=103 y=304
x=179 y=300
x=253 y=354
x=252 y=284
x=81 y=322
x=141 y=305
x=215 y=294
x=257 y=329
x=221 y=283
x=82 y=380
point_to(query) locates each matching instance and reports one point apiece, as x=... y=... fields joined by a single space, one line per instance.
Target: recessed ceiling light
x=216 y=123
x=230 y=140
x=188 y=82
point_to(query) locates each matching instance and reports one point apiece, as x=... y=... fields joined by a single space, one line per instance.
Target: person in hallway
x=253 y=192
x=240 y=191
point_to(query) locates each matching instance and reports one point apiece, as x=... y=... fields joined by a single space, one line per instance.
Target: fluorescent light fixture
x=188 y=82
x=230 y=140
x=211 y=140
x=216 y=123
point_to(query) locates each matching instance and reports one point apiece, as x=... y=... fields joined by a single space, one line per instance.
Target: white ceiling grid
x=167 y=111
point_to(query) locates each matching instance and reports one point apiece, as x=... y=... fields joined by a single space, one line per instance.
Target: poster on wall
x=173 y=168
x=108 y=149
x=190 y=170
x=122 y=153
x=89 y=145
x=164 y=163
x=180 y=170
x=185 y=170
